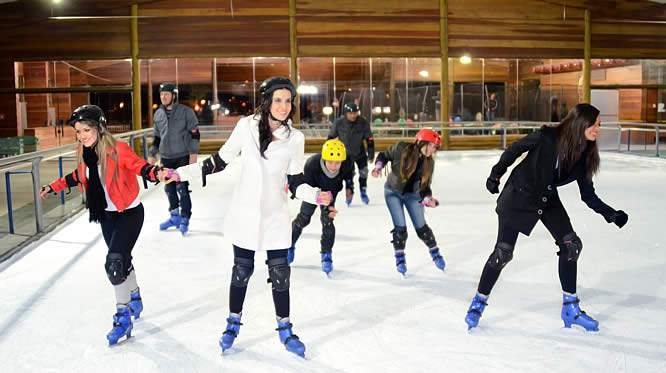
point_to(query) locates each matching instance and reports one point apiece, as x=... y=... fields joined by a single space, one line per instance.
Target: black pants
x=121 y=230
x=362 y=164
x=237 y=294
x=327 y=227
x=557 y=222
x=178 y=193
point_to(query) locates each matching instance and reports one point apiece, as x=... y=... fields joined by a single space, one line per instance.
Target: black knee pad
x=399 y=238
x=279 y=273
x=426 y=235
x=116 y=268
x=182 y=187
x=326 y=221
x=302 y=220
x=363 y=172
x=241 y=272
x=502 y=255
x=571 y=246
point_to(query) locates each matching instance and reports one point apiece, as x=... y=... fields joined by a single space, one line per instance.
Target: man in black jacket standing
x=352 y=130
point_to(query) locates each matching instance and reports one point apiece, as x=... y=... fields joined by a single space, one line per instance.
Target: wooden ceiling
x=390 y=28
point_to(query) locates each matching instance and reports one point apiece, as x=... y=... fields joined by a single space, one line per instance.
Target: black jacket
x=394 y=180
x=352 y=135
x=315 y=176
x=531 y=187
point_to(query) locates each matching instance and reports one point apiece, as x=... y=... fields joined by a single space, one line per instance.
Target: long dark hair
x=410 y=159
x=571 y=141
x=263 y=112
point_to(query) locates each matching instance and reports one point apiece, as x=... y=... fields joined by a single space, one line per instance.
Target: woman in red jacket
x=107 y=172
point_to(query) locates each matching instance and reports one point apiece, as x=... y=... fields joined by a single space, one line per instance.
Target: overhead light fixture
x=214 y=106
x=307 y=90
x=386 y=109
x=424 y=73
x=378 y=109
x=121 y=105
x=465 y=59
x=327 y=110
x=56 y=1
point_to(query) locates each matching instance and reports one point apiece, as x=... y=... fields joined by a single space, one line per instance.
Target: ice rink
x=57 y=304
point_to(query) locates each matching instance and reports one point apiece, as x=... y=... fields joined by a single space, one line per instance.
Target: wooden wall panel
x=628 y=40
x=529 y=28
x=631 y=101
x=213 y=36
x=368 y=28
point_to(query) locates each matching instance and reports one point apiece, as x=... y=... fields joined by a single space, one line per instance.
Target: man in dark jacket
x=352 y=131
x=325 y=171
x=177 y=139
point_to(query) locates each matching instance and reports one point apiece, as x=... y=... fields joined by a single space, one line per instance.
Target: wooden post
x=293 y=55
x=136 y=78
x=586 y=61
x=444 y=79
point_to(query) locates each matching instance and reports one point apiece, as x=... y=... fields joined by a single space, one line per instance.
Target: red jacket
x=122 y=168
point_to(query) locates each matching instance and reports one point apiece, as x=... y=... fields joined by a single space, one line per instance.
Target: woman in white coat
x=271 y=153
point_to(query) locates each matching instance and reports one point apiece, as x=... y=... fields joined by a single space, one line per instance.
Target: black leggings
x=558 y=224
x=121 y=230
x=237 y=294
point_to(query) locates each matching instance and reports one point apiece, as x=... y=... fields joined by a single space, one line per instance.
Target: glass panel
x=59 y=74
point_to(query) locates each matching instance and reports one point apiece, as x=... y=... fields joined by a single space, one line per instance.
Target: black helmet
x=89 y=113
x=168 y=87
x=272 y=84
x=350 y=108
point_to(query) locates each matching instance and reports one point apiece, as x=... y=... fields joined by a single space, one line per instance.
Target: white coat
x=258 y=217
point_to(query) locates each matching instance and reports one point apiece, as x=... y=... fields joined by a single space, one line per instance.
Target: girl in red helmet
x=408 y=186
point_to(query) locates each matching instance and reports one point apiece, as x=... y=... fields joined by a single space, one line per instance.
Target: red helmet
x=429 y=135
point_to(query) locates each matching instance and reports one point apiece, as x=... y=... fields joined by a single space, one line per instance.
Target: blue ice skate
x=135 y=305
x=184 y=225
x=439 y=261
x=364 y=195
x=122 y=325
x=475 y=310
x=230 y=334
x=400 y=261
x=288 y=339
x=572 y=314
x=326 y=262
x=174 y=220
x=290 y=254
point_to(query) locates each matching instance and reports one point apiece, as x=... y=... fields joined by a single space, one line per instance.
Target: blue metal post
x=145 y=150
x=62 y=193
x=628 y=140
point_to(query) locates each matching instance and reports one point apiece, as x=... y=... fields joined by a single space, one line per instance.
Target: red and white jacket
x=122 y=168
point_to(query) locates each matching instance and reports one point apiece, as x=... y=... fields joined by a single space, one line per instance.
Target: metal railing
x=13 y=165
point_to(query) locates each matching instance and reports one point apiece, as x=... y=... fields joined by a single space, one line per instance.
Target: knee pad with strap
x=363 y=172
x=302 y=220
x=399 y=238
x=241 y=272
x=502 y=255
x=279 y=273
x=116 y=268
x=426 y=235
x=571 y=246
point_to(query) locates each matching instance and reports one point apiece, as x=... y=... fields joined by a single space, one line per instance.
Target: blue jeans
x=412 y=201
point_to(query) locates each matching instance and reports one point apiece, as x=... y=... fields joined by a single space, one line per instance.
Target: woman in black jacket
x=556 y=156
x=408 y=186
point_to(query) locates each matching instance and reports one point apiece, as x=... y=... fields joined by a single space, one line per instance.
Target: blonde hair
x=105 y=141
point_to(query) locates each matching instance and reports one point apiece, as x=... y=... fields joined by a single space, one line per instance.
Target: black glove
x=620 y=218
x=492 y=184
x=212 y=165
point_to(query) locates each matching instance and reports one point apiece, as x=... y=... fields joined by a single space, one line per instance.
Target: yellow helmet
x=333 y=150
